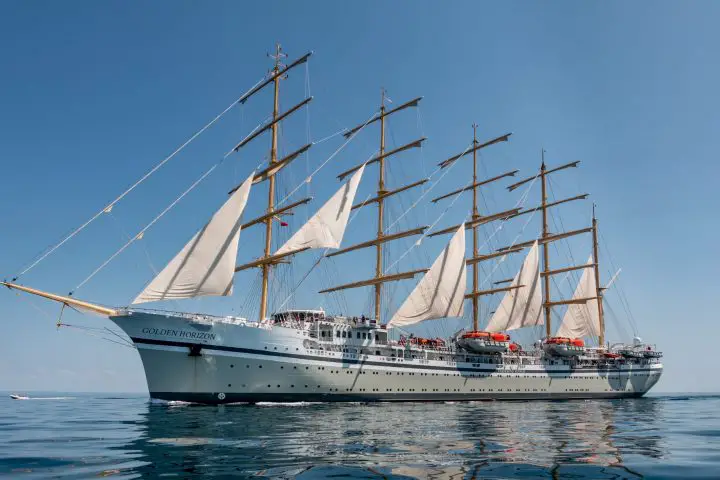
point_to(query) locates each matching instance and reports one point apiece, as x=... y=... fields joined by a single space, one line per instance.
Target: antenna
x=278 y=56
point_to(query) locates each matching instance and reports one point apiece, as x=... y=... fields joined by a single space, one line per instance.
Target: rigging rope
x=59 y=324
x=325 y=139
x=142 y=232
x=520 y=203
x=134 y=185
x=86 y=331
x=425 y=234
x=309 y=178
x=621 y=291
x=315 y=264
x=429 y=188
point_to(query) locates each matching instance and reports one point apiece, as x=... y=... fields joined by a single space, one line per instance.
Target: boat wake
x=22 y=397
x=287 y=404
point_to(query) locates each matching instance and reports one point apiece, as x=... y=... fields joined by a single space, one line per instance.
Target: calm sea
x=82 y=436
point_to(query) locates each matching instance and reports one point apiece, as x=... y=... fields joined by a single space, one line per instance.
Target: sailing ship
x=310 y=355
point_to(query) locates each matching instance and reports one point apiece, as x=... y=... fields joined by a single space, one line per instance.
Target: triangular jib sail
x=583 y=319
x=521 y=307
x=326 y=228
x=206 y=265
x=441 y=292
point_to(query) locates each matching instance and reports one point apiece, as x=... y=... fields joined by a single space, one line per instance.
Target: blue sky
x=93 y=94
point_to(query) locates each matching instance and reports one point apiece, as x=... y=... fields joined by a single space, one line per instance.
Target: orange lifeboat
x=500 y=337
x=484 y=342
x=514 y=347
x=485 y=335
x=564 y=347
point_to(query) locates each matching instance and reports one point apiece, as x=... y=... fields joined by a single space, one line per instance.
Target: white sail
x=326 y=228
x=583 y=319
x=441 y=292
x=521 y=307
x=206 y=265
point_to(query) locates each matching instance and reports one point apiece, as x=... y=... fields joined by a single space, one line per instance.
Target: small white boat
x=19 y=397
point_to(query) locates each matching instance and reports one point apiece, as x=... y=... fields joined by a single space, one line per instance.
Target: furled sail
x=582 y=319
x=206 y=265
x=521 y=307
x=441 y=292
x=326 y=228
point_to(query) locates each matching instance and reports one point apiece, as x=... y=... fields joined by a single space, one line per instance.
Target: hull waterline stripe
x=212 y=398
x=224 y=348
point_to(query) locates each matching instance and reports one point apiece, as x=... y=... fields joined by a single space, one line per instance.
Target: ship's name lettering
x=179 y=333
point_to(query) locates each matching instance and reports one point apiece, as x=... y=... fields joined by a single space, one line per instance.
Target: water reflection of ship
x=556 y=437
x=230 y=441
x=464 y=440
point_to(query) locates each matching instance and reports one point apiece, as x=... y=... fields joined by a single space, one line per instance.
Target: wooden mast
x=271 y=189
x=477 y=220
x=475 y=216
x=546 y=238
x=381 y=191
x=382 y=194
x=599 y=290
x=546 y=246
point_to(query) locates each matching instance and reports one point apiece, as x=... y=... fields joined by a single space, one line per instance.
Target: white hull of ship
x=241 y=363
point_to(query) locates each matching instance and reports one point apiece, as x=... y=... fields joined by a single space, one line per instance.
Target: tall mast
x=382 y=194
x=546 y=238
x=475 y=216
x=271 y=189
x=546 y=246
x=477 y=220
x=599 y=290
x=266 y=262
x=381 y=191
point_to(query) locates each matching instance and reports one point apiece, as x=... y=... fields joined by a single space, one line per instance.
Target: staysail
x=206 y=265
x=326 y=228
x=441 y=292
x=521 y=307
x=583 y=319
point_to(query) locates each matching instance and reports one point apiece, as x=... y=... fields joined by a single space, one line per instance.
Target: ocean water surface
x=125 y=436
